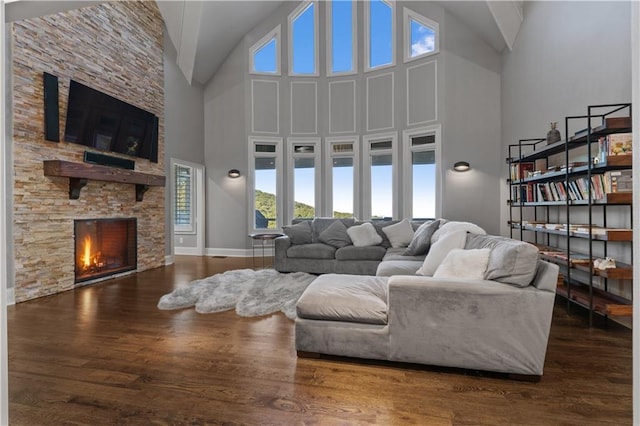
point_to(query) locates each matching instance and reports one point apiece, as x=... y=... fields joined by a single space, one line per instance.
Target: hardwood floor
x=105 y=355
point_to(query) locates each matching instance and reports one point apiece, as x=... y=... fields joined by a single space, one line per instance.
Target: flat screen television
x=100 y=121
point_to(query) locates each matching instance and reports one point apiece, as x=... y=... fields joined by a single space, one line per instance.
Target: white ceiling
x=205 y=32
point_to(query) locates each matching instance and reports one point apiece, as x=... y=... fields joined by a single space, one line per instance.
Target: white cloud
x=424 y=45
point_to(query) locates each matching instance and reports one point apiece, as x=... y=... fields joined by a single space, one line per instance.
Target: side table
x=262 y=241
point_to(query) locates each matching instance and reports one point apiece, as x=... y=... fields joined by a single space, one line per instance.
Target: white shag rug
x=251 y=293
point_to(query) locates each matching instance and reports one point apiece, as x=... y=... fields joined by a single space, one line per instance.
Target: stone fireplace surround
x=115 y=48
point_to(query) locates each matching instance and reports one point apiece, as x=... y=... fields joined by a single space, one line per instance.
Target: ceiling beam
x=508 y=16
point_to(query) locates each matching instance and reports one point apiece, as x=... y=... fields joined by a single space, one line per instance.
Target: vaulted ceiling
x=205 y=32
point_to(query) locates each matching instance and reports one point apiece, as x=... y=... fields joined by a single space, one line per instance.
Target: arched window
x=341 y=37
x=303 y=40
x=380 y=34
x=265 y=54
x=420 y=36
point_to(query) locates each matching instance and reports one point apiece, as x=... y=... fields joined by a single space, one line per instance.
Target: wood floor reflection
x=105 y=355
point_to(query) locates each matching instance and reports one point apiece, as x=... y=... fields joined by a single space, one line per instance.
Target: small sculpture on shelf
x=553 y=135
x=606 y=263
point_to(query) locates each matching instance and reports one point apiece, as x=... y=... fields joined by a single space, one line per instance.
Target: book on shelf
x=618 y=181
x=520 y=171
x=619 y=143
x=595 y=230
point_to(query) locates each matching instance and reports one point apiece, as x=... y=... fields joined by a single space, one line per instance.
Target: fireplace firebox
x=104 y=247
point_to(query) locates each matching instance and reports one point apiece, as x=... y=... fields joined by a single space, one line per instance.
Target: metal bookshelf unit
x=573 y=199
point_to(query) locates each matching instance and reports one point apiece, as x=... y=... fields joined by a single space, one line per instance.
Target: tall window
x=183 y=211
x=379 y=175
x=342 y=170
x=341 y=40
x=267 y=164
x=379 y=31
x=420 y=36
x=265 y=54
x=304 y=155
x=421 y=150
x=303 y=40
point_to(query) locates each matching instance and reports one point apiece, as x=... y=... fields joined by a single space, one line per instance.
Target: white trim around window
x=409 y=15
x=277 y=156
x=330 y=154
x=367 y=38
x=407 y=170
x=329 y=39
x=367 y=152
x=292 y=17
x=273 y=34
x=313 y=152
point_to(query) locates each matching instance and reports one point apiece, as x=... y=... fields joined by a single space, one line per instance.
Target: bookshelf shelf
x=586 y=194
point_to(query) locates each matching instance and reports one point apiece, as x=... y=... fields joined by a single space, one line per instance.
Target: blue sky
x=422 y=40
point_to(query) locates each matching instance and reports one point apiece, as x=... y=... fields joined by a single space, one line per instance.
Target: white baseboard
x=187 y=251
x=228 y=252
x=11 y=296
x=168 y=260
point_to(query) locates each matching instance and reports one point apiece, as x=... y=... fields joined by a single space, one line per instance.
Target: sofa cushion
x=439 y=251
x=364 y=235
x=352 y=252
x=389 y=268
x=421 y=241
x=511 y=261
x=454 y=226
x=398 y=254
x=379 y=225
x=350 y=298
x=312 y=251
x=300 y=233
x=464 y=264
x=399 y=234
x=319 y=224
x=335 y=235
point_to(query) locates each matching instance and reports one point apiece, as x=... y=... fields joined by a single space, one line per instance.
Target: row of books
x=574 y=229
x=575 y=190
x=615 y=144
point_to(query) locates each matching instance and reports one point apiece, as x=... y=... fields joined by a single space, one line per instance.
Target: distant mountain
x=266 y=203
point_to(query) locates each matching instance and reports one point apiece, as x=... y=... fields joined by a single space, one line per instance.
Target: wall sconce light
x=233 y=173
x=461 y=166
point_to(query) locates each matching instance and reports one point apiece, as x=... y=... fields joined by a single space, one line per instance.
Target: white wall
x=568 y=55
x=184 y=131
x=468 y=88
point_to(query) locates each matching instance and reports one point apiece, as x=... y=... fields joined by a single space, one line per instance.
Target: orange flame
x=86 y=257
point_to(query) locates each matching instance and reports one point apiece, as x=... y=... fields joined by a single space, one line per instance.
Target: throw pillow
x=300 y=233
x=335 y=235
x=439 y=251
x=464 y=264
x=400 y=234
x=421 y=241
x=456 y=226
x=364 y=235
x=511 y=262
x=319 y=224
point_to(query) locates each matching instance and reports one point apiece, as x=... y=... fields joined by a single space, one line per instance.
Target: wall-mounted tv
x=103 y=122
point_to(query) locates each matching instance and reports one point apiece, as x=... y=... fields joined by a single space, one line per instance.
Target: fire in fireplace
x=104 y=247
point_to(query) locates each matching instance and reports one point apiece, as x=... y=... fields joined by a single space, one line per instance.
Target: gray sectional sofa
x=310 y=246
x=474 y=301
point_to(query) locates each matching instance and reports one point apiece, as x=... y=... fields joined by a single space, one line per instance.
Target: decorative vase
x=553 y=135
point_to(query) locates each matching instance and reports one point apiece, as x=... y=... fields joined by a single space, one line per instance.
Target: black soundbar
x=107 y=160
x=51 y=113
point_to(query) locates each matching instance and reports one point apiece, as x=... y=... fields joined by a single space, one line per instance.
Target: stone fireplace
x=104 y=247
x=116 y=48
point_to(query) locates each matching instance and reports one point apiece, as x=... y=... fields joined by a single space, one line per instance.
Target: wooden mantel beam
x=79 y=173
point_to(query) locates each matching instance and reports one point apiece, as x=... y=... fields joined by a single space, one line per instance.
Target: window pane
x=381 y=145
x=423 y=140
x=304 y=188
x=343 y=187
x=424 y=184
x=264 y=60
x=342 y=147
x=342 y=36
x=265 y=148
x=265 y=193
x=303 y=42
x=380 y=34
x=423 y=39
x=381 y=186
x=182 y=197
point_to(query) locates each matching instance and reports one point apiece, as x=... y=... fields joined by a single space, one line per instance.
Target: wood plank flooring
x=105 y=355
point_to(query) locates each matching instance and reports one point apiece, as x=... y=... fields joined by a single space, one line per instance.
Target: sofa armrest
x=280 y=253
x=483 y=325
